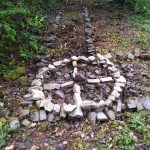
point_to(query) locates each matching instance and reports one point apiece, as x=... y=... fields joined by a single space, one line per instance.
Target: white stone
x=102 y=103
x=43 y=115
x=77 y=113
x=43 y=70
x=76 y=88
x=37 y=95
x=57 y=63
x=111 y=115
x=35 y=88
x=14 y=124
x=113 y=69
x=118 y=88
x=27 y=96
x=91 y=58
x=108 y=102
x=106 y=79
x=67 y=84
x=116 y=74
x=75 y=58
x=77 y=98
x=51 y=67
x=112 y=97
x=65 y=61
x=48 y=106
x=74 y=63
x=50 y=117
x=56 y=109
x=75 y=71
x=119 y=105
x=119 y=84
x=84 y=58
x=121 y=80
x=36 y=82
x=89 y=104
x=109 y=62
x=115 y=93
x=51 y=86
x=101 y=116
x=69 y=108
x=100 y=57
x=93 y=81
x=62 y=111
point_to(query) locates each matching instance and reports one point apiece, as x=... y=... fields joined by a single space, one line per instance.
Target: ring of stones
x=79 y=105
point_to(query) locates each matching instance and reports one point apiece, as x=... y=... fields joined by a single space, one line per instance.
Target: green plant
x=5 y=131
x=14 y=74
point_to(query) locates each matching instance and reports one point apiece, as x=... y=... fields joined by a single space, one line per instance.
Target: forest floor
x=117 y=32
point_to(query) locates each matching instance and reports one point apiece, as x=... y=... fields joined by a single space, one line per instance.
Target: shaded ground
x=116 y=30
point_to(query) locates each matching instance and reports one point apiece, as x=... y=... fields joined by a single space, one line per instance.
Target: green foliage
x=5 y=131
x=23 y=80
x=137 y=124
x=142 y=7
x=14 y=74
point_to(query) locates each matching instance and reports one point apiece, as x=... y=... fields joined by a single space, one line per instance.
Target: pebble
x=48 y=106
x=101 y=116
x=60 y=94
x=42 y=115
x=106 y=79
x=93 y=81
x=51 y=67
x=26 y=122
x=14 y=124
x=111 y=115
x=34 y=115
x=92 y=118
x=69 y=108
x=51 y=86
x=24 y=112
x=37 y=94
x=76 y=88
x=67 y=84
x=50 y=117
x=56 y=109
x=57 y=63
x=146 y=102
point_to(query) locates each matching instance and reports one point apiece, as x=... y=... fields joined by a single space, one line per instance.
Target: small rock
x=77 y=98
x=24 y=112
x=26 y=122
x=130 y=55
x=108 y=56
x=62 y=111
x=51 y=67
x=57 y=63
x=67 y=84
x=50 y=117
x=89 y=41
x=14 y=124
x=100 y=57
x=60 y=94
x=76 y=88
x=42 y=115
x=93 y=81
x=34 y=115
x=56 y=109
x=106 y=79
x=101 y=116
x=40 y=64
x=35 y=147
x=43 y=70
x=48 y=106
x=51 y=86
x=11 y=147
x=91 y=58
x=146 y=102
x=37 y=94
x=75 y=58
x=79 y=77
x=65 y=61
x=111 y=115
x=74 y=63
x=92 y=118
x=69 y=108
x=77 y=113
x=131 y=104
